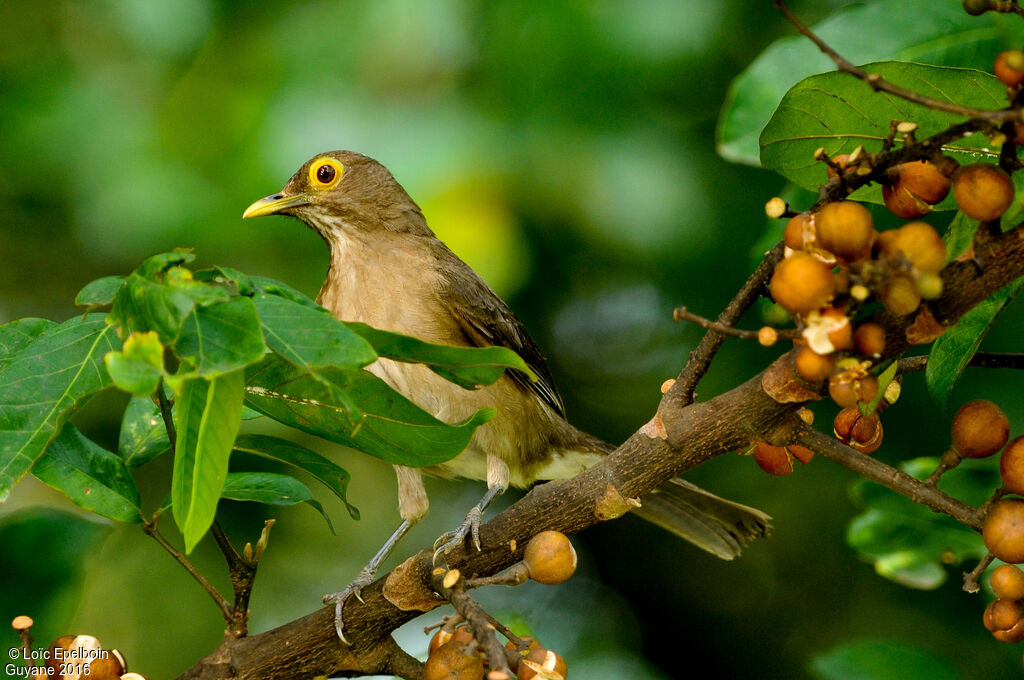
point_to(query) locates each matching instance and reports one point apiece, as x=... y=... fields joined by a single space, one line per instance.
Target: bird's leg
x=497 y=482
x=412 y=505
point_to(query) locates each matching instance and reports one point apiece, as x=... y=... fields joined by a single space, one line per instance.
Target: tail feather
x=710 y=522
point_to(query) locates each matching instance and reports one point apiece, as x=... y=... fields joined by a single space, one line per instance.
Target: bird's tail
x=710 y=522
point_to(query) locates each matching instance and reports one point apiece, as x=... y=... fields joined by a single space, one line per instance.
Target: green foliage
x=838 y=113
x=215 y=337
x=923 y=31
x=908 y=542
x=880 y=660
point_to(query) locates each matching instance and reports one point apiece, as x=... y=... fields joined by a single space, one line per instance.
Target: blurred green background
x=566 y=150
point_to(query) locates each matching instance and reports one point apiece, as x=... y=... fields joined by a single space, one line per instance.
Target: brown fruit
x=869 y=339
x=462 y=634
x=541 y=659
x=775 y=460
x=920 y=244
x=550 y=558
x=982 y=191
x=860 y=432
x=1006 y=613
x=1011 y=467
x=902 y=203
x=845 y=229
x=846 y=389
x=801 y=453
x=454 y=660
x=976 y=7
x=900 y=296
x=802 y=283
x=107 y=666
x=979 y=429
x=913 y=188
x=841 y=335
x=1009 y=67
x=1003 y=530
x=799 y=231
x=1007 y=582
x=812 y=366
x=1013 y=635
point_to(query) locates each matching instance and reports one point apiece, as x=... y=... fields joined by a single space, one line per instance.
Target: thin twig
x=683 y=314
x=452 y=586
x=878 y=83
x=889 y=477
x=150 y=529
x=979 y=360
x=971 y=578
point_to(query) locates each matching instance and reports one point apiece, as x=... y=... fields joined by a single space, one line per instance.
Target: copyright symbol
x=13 y=652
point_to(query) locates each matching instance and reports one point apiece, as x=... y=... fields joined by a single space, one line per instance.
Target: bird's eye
x=325 y=172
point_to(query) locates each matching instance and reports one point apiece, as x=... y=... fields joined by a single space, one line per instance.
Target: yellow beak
x=271 y=205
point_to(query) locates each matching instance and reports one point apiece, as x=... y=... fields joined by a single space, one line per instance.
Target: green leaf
x=357 y=409
x=143 y=434
x=309 y=336
x=906 y=541
x=332 y=476
x=160 y=294
x=99 y=292
x=42 y=384
x=92 y=477
x=139 y=366
x=836 y=112
x=469 y=367
x=922 y=31
x=17 y=335
x=271 y=489
x=207 y=417
x=219 y=273
x=270 y=286
x=880 y=660
x=221 y=337
x=952 y=351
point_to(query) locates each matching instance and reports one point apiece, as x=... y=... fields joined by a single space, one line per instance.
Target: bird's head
x=341 y=191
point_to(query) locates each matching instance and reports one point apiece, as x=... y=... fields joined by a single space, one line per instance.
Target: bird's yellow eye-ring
x=324 y=173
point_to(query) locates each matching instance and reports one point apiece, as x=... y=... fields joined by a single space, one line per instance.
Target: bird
x=389 y=270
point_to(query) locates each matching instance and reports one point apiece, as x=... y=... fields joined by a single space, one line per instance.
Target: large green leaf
x=271 y=489
x=333 y=476
x=208 y=414
x=309 y=336
x=17 y=335
x=880 y=660
x=143 y=434
x=357 y=409
x=952 y=351
x=909 y=543
x=92 y=477
x=160 y=294
x=922 y=31
x=42 y=384
x=222 y=337
x=836 y=112
x=469 y=367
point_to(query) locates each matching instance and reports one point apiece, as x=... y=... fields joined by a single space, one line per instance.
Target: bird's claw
x=453 y=539
x=355 y=588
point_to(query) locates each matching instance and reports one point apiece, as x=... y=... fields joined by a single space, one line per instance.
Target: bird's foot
x=365 y=578
x=450 y=540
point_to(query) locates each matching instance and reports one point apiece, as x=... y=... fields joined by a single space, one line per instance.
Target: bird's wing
x=486 y=320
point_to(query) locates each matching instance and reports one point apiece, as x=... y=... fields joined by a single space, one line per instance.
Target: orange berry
x=1009 y=67
x=920 y=244
x=799 y=230
x=550 y=558
x=802 y=283
x=454 y=660
x=1007 y=582
x=539 y=660
x=1003 y=530
x=979 y=429
x=863 y=433
x=1011 y=467
x=869 y=339
x=775 y=460
x=900 y=295
x=982 y=191
x=845 y=228
x=812 y=366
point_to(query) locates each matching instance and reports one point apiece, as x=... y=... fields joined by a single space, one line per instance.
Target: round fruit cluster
x=77 y=656
x=454 y=654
